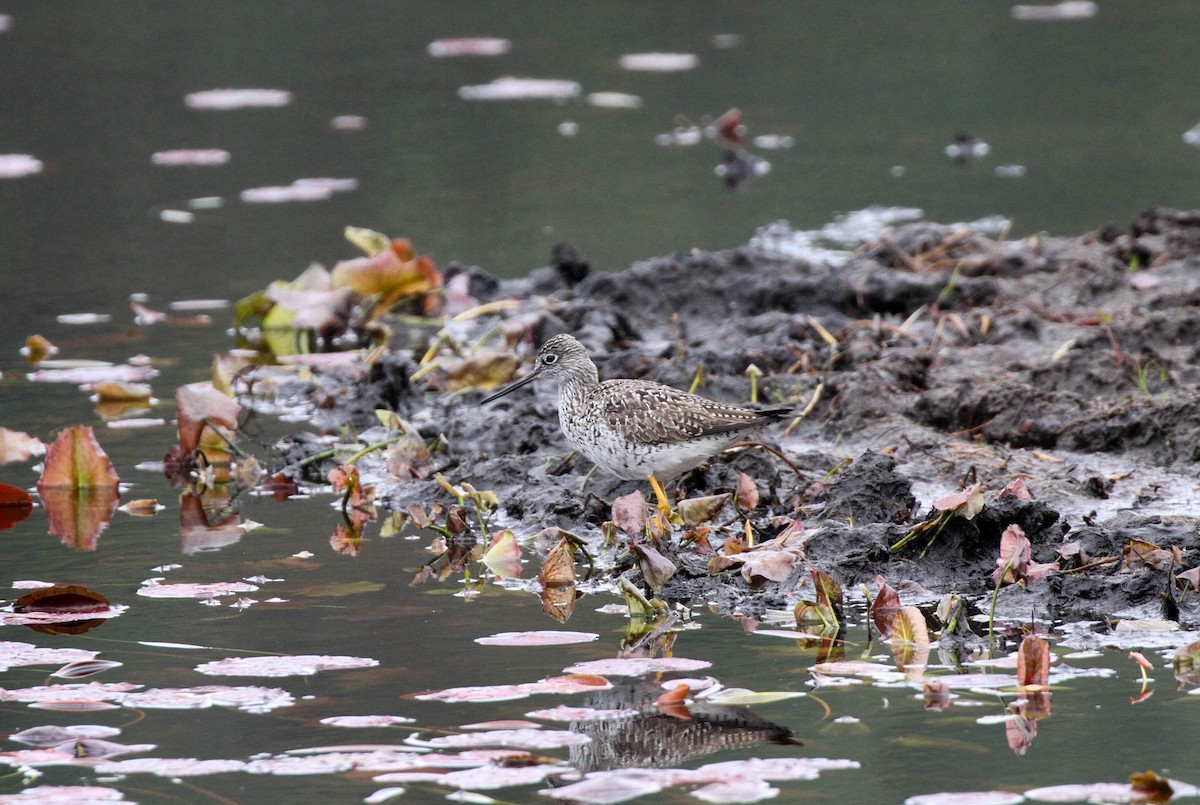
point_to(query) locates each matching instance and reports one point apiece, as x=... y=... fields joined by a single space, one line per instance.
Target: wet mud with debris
x=943 y=355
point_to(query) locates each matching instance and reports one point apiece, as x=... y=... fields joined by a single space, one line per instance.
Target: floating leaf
x=1033 y=662
x=37 y=349
x=72 y=599
x=143 y=507
x=15 y=505
x=296 y=665
x=116 y=391
x=637 y=666
x=75 y=460
x=17 y=446
x=538 y=638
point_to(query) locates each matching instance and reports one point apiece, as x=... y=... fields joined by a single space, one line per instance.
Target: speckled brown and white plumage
x=634 y=429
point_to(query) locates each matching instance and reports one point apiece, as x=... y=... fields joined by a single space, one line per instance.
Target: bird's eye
x=549 y=359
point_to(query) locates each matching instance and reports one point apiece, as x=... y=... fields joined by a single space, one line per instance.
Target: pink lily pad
x=170 y=767
x=469 y=46
x=547 y=637
x=14 y=653
x=16 y=166
x=297 y=665
x=237 y=98
x=637 y=666
x=190 y=157
x=365 y=721
x=211 y=590
x=967 y=798
x=65 y=795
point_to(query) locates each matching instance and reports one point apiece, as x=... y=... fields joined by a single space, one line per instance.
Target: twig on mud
x=812 y=403
x=770 y=450
x=1108 y=560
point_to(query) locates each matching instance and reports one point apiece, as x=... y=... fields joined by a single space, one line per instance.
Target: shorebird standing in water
x=636 y=429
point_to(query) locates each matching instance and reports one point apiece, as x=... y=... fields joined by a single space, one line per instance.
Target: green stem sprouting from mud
x=995 y=598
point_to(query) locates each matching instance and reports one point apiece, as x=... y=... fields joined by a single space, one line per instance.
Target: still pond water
x=1093 y=110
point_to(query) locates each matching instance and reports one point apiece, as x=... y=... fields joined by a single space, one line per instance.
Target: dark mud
x=944 y=356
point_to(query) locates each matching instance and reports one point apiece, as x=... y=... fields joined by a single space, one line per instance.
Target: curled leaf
x=966 y=503
x=503 y=555
x=559 y=565
x=200 y=405
x=695 y=511
x=657 y=570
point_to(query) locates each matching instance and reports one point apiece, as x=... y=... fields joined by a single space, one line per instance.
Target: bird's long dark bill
x=510 y=387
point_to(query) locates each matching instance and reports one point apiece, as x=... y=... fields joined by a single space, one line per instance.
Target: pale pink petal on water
x=1086 y=792
x=547 y=637
x=31 y=584
x=237 y=98
x=513 y=724
x=605 y=787
x=637 y=666
x=365 y=721
x=492 y=777
x=348 y=123
x=500 y=693
x=74 y=706
x=89 y=692
x=508 y=88
x=15 y=166
x=122 y=373
x=297 y=665
x=659 y=62
x=1066 y=10
x=136 y=423
x=805 y=768
x=53 y=735
x=169 y=767
x=967 y=798
x=83 y=318
x=64 y=795
x=284 y=194
x=6 y=22
x=14 y=653
x=469 y=46
x=199 y=304
x=39 y=757
x=736 y=791
x=192 y=157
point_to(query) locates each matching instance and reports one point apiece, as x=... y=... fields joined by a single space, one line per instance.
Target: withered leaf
x=629 y=512
x=559 y=565
x=747 y=493
x=1033 y=662
x=75 y=460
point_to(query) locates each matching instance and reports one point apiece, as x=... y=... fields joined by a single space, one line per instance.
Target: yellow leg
x=664 y=505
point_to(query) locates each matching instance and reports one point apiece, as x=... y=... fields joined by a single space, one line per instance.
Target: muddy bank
x=933 y=357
